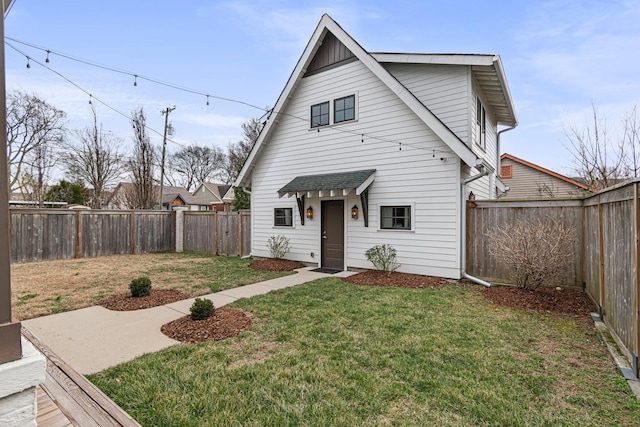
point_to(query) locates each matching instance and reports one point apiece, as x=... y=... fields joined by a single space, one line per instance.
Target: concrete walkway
x=94 y=338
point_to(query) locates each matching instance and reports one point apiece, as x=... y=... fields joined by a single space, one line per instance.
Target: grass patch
x=65 y=285
x=331 y=353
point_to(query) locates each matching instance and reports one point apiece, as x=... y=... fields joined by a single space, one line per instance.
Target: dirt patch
x=125 y=302
x=226 y=322
x=276 y=264
x=395 y=279
x=544 y=300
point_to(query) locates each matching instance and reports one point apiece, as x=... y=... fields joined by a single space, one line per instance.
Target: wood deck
x=66 y=398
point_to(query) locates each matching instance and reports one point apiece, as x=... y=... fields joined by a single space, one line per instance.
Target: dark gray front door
x=333 y=234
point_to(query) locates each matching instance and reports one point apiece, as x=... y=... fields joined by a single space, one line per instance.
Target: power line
x=178 y=87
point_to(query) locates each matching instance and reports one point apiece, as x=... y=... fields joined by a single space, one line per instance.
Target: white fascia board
x=437 y=59
x=505 y=87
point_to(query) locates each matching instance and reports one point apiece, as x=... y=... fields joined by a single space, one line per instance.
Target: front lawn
x=329 y=353
x=48 y=287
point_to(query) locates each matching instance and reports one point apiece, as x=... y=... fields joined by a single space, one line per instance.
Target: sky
x=560 y=57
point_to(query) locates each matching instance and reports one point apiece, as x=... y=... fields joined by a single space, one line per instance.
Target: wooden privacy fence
x=47 y=234
x=606 y=258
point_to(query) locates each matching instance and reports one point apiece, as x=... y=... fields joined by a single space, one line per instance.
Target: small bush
x=383 y=257
x=278 y=246
x=537 y=252
x=140 y=287
x=201 y=309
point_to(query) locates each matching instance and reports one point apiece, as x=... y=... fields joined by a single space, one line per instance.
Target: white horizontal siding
x=413 y=175
x=444 y=89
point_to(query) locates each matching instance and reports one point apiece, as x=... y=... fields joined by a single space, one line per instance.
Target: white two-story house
x=369 y=148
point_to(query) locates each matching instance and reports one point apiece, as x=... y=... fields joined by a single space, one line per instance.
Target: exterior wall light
x=309 y=212
x=354 y=212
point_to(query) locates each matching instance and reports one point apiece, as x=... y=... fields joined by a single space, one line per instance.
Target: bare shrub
x=383 y=257
x=278 y=246
x=536 y=251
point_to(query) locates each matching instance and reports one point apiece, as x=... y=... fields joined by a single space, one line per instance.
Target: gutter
x=484 y=171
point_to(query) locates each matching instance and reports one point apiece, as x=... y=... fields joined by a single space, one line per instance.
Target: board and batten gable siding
x=411 y=176
x=527 y=183
x=443 y=89
x=483 y=188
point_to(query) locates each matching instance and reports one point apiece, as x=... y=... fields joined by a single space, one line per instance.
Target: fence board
x=198 y=231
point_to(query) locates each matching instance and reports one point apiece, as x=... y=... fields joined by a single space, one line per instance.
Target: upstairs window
x=320 y=115
x=395 y=217
x=481 y=124
x=344 y=109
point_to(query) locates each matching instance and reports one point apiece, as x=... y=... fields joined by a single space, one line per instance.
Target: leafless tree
x=537 y=252
x=95 y=159
x=596 y=157
x=42 y=160
x=142 y=165
x=31 y=123
x=631 y=143
x=237 y=153
x=196 y=164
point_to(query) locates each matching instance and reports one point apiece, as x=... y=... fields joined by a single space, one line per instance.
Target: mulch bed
x=226 y=322
x=125 y=302
x=395 y=279
x=275 y=264
x=543 y=299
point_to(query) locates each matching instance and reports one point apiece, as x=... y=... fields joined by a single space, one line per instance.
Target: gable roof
x=341 y=181
x=545 y=171
x=328 y=25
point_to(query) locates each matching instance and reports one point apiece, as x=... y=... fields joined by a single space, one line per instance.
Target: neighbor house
x=368 y=148
x=124 y=197
x=527 y=180
x=215 y=193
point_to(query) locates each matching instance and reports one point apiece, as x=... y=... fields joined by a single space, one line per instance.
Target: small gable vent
x=506 y=171
x=330 y=53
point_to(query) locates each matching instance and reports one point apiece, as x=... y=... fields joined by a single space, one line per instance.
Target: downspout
x=498 y=150
x=463 y=249
x=244 y=188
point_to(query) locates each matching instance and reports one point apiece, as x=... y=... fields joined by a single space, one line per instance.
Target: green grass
x=333 y=354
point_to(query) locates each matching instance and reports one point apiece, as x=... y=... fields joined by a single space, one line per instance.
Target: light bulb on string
x=135 y=80
x=207 y=100
x=28 y=64
x=90 y=96
x=47 y=60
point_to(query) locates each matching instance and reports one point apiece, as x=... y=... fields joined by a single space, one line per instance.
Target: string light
x=90 y=103
x=188 y=90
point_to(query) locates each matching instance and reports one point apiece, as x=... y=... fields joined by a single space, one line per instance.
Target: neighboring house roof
x=217 y=190
x=488 y=73
x=544 y=170
x=169 y=194
x=230 y=195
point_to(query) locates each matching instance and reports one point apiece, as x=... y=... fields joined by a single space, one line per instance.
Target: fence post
x=78 y=237
x=239 y=234
x=132 y=233
x=179 y=233
x=636 y=280
x=601 y=260
x=215 y=232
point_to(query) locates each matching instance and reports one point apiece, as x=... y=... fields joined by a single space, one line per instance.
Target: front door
x=333 y=234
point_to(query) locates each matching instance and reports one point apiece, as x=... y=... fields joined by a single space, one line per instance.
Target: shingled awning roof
x=330 y=184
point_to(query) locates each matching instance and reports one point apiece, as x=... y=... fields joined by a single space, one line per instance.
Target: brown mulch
x=395 y=279
x=544 y=299
x=275 y=264
x=226 y=322
x=125 y=302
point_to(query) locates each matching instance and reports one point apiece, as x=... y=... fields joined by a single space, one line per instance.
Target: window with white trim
x=283 y=217
x=481 y=124
x=395 y=217
x=320 y=114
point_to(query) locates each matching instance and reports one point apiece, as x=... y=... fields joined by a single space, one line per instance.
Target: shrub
x=537 y=251
x=140 y=287
x=278 y=246
x=383 y=257
x=201 y=309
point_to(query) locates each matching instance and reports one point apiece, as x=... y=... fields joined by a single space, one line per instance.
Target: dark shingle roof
x=329 y=181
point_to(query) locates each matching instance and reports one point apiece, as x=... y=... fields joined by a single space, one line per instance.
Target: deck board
x=78 y=400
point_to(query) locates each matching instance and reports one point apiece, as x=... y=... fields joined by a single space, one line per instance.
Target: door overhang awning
x=329 y=185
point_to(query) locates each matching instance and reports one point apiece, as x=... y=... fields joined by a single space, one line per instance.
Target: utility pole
x=164 y=149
